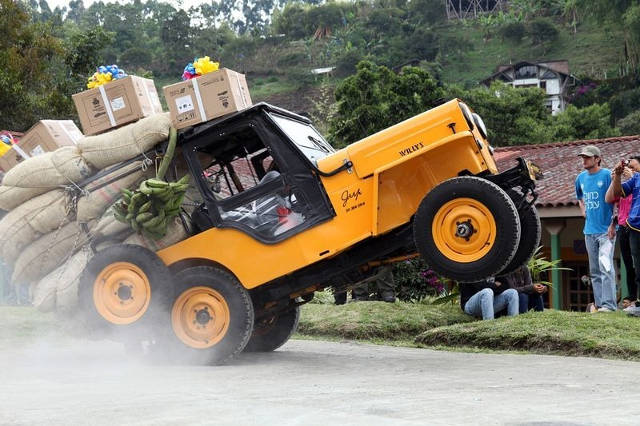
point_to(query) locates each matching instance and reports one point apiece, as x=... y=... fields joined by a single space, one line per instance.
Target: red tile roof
x=560 y=164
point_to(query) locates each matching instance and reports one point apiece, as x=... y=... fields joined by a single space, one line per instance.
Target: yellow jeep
x=283 y=215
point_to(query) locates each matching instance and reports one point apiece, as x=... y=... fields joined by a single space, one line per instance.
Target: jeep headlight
x=480 y=124
x=467 y=114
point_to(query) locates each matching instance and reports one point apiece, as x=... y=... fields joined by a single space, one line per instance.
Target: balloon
x=199 y=66
x=105 y=74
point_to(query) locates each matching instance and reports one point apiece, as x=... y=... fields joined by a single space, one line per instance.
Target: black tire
x=141 y=264
x=222 y=288
x=530 y=232
x=473 y=266
x=273 y=331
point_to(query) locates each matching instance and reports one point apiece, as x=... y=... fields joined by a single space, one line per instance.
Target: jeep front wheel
x=212 y=316
x=467 y=229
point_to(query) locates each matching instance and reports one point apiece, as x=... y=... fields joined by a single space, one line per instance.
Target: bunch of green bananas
x=150 y=208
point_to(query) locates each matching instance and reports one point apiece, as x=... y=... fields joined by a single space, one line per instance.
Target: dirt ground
x=312 y=382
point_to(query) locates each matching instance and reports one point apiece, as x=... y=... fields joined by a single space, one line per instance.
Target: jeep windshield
x=307 y=139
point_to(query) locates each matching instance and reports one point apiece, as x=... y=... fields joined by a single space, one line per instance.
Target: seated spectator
x=484 y=298
x=529 y=294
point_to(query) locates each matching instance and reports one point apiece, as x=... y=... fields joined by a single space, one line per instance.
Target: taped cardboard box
x=44 y=136
x=206 y=97
x=116 y=103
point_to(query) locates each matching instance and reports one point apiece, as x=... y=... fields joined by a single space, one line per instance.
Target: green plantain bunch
x=150 y=208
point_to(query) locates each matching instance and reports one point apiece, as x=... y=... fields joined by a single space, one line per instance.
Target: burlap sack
x=108 y=225
x=98 y=200
x=48 y=252
x=124 y=143
x=175 y=234
x=24 y=224
x=69 y=280
x=49 y=170
x=11 y=196
x=59 y=289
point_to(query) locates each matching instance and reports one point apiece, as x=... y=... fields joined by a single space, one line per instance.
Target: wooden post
x=555 y=228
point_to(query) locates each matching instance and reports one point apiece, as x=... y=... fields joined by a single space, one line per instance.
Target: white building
x=551 y=76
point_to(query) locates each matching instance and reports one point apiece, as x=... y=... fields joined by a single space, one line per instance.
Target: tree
x=84 y=51
x=630 y=125
x=513 y=31
x=33 y=75
x=591 y=122
x=376 y=98
x=512 y=116
x=543 y=32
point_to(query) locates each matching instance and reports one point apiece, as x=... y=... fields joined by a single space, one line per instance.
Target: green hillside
x=594 y=51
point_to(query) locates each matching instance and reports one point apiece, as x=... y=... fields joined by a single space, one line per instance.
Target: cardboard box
x=206 y=97
x=44 y=136
x=116 y=103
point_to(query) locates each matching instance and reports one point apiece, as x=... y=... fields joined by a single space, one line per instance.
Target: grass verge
x=376 y=321
x=611 y=335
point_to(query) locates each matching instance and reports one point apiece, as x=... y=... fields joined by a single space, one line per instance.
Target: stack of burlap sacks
x=44 y=234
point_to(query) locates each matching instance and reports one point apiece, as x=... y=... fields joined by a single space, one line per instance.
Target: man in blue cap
x=599 y=234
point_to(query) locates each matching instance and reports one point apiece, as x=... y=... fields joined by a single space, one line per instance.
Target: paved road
x=314 y=383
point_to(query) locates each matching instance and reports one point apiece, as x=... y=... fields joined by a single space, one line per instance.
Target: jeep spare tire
x=530 y=231
x=467 y=229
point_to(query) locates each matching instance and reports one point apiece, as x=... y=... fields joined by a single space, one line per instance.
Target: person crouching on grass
x=484 y=299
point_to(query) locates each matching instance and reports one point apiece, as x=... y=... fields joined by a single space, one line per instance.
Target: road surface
x=313 y=383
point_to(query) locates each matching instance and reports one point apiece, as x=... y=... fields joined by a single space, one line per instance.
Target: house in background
x=560 y=214
x=551 y=76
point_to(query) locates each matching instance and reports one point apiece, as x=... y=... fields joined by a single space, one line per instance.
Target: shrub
x=513 y=31
x=630 y=125
x=542 y=31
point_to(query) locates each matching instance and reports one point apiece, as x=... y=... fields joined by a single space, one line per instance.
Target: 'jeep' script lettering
x=346 y=196
x=412 y=148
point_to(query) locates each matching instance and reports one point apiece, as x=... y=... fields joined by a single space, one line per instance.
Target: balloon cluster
x=105 y=74
x=198 y=67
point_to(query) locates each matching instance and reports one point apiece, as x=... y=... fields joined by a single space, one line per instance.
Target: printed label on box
x=117 y=104
x=36 y=151
x=185 y=117
x=96 y=110
x=184 y=104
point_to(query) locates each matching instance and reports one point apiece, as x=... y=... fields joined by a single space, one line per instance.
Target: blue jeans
x=530 y=301
x=603 y=282
x=484 y=303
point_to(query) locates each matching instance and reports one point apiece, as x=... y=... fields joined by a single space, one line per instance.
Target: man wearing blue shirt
x=591 y=186
x=629 y=187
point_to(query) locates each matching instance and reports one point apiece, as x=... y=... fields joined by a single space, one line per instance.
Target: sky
x=186 y=4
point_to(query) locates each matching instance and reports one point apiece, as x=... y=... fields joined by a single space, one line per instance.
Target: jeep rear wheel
x=212 y=316
x=467 y=229
x=126 y=289
x=273 y=331
x=530 y=232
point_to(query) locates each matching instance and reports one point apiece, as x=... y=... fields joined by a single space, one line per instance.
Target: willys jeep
x=283 y=215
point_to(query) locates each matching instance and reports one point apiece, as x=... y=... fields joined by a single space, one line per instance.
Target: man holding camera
x=599 y=232
x=632 y=165
x=624 y=189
